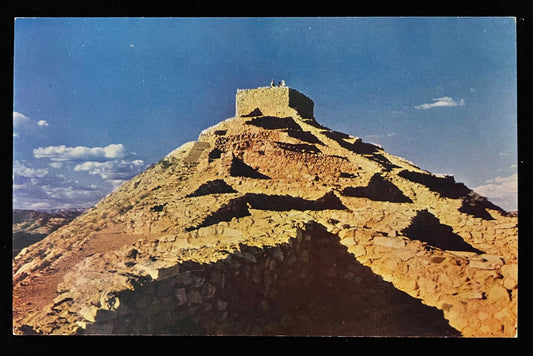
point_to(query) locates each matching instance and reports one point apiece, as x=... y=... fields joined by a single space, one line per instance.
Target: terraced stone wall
x=309 y=285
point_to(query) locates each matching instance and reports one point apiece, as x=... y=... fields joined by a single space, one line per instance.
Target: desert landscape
x=272 y=224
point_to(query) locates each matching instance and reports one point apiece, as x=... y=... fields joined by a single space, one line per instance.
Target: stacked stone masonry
x=274 y=101
x=266 y=227
x=308 y=285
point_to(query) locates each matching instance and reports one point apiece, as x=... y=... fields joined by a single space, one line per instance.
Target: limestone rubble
x=276 y=225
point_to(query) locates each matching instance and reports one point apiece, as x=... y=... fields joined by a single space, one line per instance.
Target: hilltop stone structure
x=272 y=224
x=280 y=101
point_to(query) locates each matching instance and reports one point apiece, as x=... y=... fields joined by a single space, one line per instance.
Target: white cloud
x=23 y=124
x=80 y=153
x=49 y=187
x=503 y=180
x=444 y=101
x=56 y=164
x=390 y=134
x=119 y=170
x=20 y=119
x=55 y=191
x=21 y=170
x=502 y=190
x=68 y=193
x=114 y=172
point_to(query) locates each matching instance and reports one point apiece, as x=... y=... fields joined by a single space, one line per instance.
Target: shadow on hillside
x=307 y=286
x=427 y=228
x=473 y=204
x=238 y=207
x=217 y=186
x=253 y=113
x=240 y=169
x=445 y=186
x=305 y=136
x=357 y=147
x=24 y=239
x=378 y=189
x=273 y=123
x=298 y=147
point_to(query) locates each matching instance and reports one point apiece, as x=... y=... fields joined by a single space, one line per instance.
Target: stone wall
x=274 y=101
x=228 y=235
x=476 y=291
x=309 y=285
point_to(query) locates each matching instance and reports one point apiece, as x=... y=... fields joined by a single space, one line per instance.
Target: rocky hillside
x=30 y=226
x=276 y=225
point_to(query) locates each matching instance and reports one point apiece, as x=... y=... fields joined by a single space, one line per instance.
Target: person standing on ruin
x=272 y=83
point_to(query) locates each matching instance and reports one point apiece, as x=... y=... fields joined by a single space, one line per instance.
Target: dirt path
x=38 y=290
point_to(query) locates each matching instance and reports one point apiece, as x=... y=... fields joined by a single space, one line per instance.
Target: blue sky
x=97 y=100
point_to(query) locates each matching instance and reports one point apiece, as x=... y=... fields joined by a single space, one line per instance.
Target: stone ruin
x=272 y=224
x=280 y=101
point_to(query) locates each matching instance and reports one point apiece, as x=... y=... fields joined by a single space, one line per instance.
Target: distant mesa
x=30 y=226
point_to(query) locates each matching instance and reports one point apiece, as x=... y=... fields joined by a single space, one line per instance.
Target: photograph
x=265 y=176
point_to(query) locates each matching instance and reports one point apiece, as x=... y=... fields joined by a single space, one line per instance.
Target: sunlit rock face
x=272 y=224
